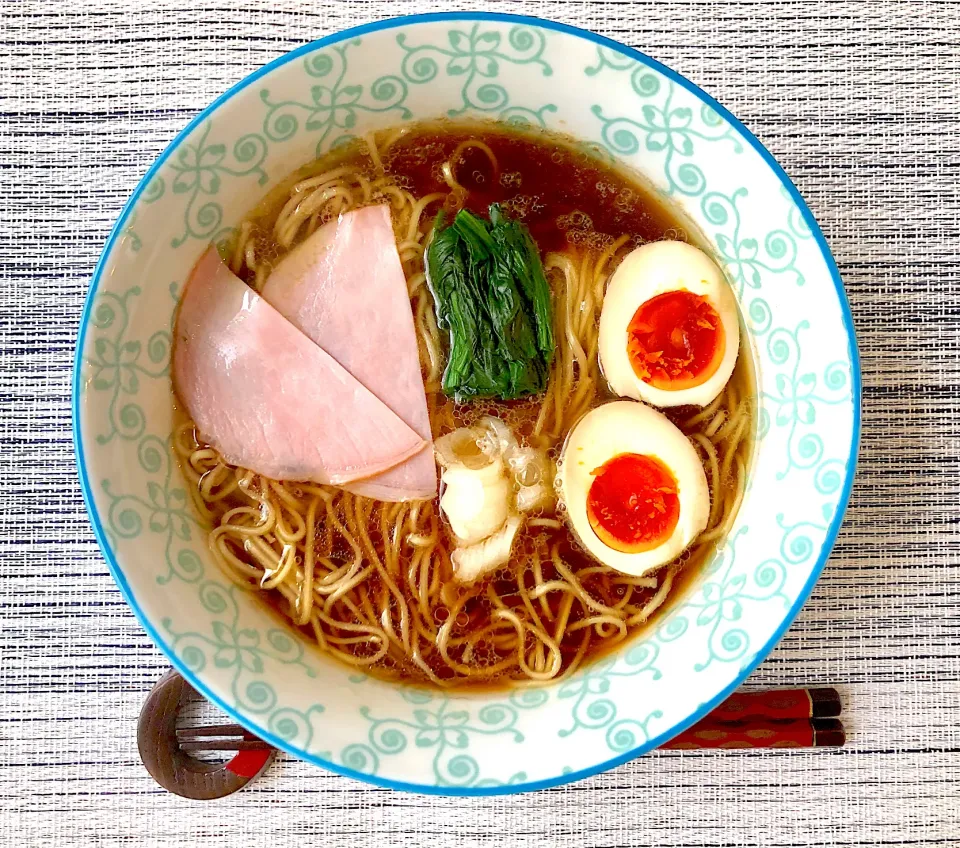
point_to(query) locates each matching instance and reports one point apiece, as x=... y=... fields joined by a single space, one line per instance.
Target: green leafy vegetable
x=518 y=252
x=493 y=299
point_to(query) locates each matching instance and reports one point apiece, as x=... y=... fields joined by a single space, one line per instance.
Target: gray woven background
x=859 y=101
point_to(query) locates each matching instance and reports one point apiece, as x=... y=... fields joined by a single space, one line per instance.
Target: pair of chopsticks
x=219 y=737
x=778 y=718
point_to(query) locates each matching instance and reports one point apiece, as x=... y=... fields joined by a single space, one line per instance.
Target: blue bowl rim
x=745 y=670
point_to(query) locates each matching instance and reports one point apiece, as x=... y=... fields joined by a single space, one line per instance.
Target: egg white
x=650 y=270
x=628 y=427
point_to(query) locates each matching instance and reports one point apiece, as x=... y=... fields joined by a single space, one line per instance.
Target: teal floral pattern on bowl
x=622 y=106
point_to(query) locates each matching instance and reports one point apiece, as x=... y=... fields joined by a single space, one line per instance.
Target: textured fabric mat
x=858 y=101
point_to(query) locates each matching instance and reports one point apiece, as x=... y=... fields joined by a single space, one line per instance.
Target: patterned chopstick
x=761 y=733
x=779 y=703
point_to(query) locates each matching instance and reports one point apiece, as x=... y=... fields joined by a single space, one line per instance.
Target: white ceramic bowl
x=624 y=105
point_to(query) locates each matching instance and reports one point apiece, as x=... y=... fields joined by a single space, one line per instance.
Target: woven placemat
x=858 y=101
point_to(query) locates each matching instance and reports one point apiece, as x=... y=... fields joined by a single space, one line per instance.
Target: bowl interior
x=622 y=105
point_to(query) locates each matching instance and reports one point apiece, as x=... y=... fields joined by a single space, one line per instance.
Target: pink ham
x=345 y=288
x=267 y=397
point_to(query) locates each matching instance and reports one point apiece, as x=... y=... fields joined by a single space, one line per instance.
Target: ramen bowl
x=621 y=105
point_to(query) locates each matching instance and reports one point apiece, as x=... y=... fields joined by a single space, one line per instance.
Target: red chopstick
x=759 y=733
x=779 y=703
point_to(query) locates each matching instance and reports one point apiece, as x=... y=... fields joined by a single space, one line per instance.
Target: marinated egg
x=633 y=487
x=669 y=331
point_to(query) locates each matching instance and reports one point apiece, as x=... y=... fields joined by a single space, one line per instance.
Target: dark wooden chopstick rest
x=165 y=750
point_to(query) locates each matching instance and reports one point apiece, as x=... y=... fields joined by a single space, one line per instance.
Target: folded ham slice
x=345 y=288
x=267 y=397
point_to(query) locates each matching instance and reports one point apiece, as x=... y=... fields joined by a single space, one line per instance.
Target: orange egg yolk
x=632 y=504
x=675 y=340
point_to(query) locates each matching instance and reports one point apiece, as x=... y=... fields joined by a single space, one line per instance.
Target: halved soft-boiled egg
x=633 y=487
x=669 y=329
